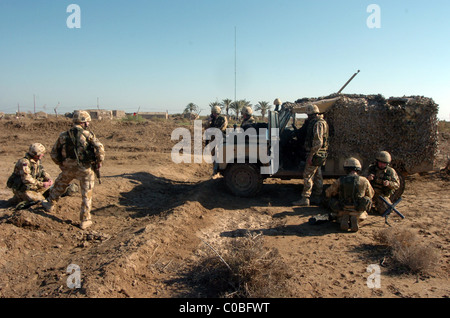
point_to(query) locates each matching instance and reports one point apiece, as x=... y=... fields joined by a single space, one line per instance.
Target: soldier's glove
x=47 y=184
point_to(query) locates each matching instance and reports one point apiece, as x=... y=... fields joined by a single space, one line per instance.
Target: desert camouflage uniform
x=32 y=176
x=341 y=205
x=73 y=168
x=219 y=122
x=248 y=122
x=316 y=143
x=380 y=190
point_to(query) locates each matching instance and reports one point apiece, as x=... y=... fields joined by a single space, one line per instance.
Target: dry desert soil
x=154 y=220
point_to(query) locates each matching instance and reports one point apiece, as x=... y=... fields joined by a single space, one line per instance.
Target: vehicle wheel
x=243 y=180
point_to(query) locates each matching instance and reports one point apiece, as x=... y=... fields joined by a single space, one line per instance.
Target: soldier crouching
x=384 y=180
x=350 y=197
x=29 y=180
x=77 y=152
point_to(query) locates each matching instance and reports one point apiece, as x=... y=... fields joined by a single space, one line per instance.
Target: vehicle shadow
x=154 y=195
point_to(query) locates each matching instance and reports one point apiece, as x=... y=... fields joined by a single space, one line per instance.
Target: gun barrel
x=348 y=82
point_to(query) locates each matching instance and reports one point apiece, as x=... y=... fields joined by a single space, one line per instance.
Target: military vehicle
x=360 y=127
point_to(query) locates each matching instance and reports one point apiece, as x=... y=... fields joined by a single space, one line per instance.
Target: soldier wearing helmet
x=216 y=120
x=29 y=180
x=248 y=119
x=383 y=178
x=350 y=196
x=78 y=153
x=316 y=146
x=277 y=102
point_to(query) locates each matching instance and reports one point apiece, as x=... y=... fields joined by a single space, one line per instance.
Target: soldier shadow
x=154 y=195
x=302 y=229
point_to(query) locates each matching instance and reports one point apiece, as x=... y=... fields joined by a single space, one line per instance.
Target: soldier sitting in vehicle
x=29 y=180
x=216 y=120
x=350 y=197
x=249 y=120
x=383 y=179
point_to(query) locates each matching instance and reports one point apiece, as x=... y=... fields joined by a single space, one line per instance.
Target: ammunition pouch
x=319 y=159
x=14 y=182
x=360 y=204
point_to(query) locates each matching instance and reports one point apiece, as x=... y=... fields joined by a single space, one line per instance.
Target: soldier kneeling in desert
x=350 y=197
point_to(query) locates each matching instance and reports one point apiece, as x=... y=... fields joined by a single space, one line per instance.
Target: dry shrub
x=245 y=269
x=408 y=250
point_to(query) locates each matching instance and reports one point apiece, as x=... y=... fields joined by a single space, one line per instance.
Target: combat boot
x=85 y=224
x=354 y=223
x=344 y=222
x=302 y=202
x=47 y=205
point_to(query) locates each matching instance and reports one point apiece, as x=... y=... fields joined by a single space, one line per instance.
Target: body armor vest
x=76 y=151
x=310 y=135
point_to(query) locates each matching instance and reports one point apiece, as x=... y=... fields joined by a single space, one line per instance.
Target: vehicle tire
x=243 y=180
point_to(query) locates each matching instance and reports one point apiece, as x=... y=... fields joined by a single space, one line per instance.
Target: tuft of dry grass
x=408 y=250
x=244 y=269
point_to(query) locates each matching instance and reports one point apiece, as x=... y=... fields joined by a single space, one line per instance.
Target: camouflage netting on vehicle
x=366 y=124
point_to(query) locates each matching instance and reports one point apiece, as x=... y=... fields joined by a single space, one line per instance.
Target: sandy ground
x=152 y=217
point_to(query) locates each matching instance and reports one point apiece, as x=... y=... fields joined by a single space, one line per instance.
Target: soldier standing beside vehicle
x=316 y=145
x=247 y=114
x=350 y=196
x=78 y=153
x=29 y=180
x=383 y=179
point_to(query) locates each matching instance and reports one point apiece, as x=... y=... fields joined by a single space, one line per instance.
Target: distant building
x=100 y=114
x=118 y=114
x=151 y=115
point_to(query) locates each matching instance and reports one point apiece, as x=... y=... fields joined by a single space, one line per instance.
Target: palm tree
x=264 y=107
x=190 y=109
x=238 y=105
x=226 y=103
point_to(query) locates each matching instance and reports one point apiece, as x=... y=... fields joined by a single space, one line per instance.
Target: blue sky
x=161 y=55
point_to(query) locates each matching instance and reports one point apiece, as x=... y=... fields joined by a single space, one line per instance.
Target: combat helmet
x=247 y=111
x=216 y=110
x=36 y=149
x=352 y=163
x=81 y=116
x=384 y=156
x=277 y=102
x=312 y=109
